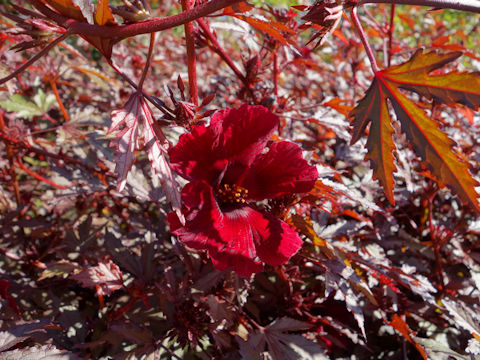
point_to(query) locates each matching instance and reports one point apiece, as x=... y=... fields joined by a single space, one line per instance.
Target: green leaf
x=26 y=108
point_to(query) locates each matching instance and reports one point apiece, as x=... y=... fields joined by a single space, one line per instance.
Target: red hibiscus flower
x=230 y=170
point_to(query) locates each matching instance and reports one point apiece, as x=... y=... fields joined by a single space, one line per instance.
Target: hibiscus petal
x=241 y=265
x=248 y=233
x=281 y=245
x=243 y=133
x=194 y=157
x=282 y=170
x=201 y=216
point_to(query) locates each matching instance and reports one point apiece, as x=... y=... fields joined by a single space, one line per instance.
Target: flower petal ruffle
x=280 y=171
x=237 y=238
x=194 y=157
x=201 y=216
x=243 y=132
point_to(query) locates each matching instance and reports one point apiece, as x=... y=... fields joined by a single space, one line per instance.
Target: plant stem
x=9 y=151
x=39 y=177
x=135 y=86
x=364 y=40
x=191 y=58
x=146 y=27
x=463 y=5
x=39 y=151
x=147 y=62
x=219 y=50
x=37 y=56
x=390 y=35
x=53 y=84
x=275 y=73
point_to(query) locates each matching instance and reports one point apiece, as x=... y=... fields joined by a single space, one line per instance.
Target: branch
x=37 y=56
x=365 y=43
x=135 y=86
x=220 y=51
x=147 y=62
x=463 y=5
x=120 y=32
x=191 y=58
x=39 y=151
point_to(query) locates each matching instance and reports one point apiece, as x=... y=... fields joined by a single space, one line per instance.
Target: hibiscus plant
x=188 y=180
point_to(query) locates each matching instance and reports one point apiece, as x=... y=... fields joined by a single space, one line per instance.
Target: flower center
x=231 y=194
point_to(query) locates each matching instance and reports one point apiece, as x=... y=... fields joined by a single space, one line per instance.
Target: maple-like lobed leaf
x=430 y=143
x=373 y=109
x=283 y=345
x=157 y=146
x=136 y=115
x=106 y=277
x=126 y=140
x=451 y=88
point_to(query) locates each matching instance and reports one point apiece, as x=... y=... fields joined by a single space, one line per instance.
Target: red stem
x=462 y=5
x=219 y=50
x=53 y=84
x=64 y=158
x=37 y=56
x=135 y=86
x=191 y=58
x=390 y=34
x=39 y=177
x=9 y=151
x=147 y=63
x=146 y=27
x=275 y=74
x=363 y=38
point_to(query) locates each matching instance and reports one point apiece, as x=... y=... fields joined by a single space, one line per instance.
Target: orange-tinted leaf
x=442 y=43
x=305 y=227
x=451 y=88
x=431 y=144
x=67 y=8
x=402 y=327
x=264 y=27
x=103 y=14
x=337 y=104
x=96 y=74
x=237 y=8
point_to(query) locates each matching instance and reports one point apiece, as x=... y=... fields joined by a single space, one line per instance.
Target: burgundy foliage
x=189 y=180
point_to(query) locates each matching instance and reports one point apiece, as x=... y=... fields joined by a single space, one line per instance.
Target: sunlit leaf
x=136 y=118
x=264 y=27
x=401 y=326
x=105 y=277
x=67 y=8
x=26 y=108
x=103 y=14
x=431 y=144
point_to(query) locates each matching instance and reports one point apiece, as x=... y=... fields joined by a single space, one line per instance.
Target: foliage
x=234 y=215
